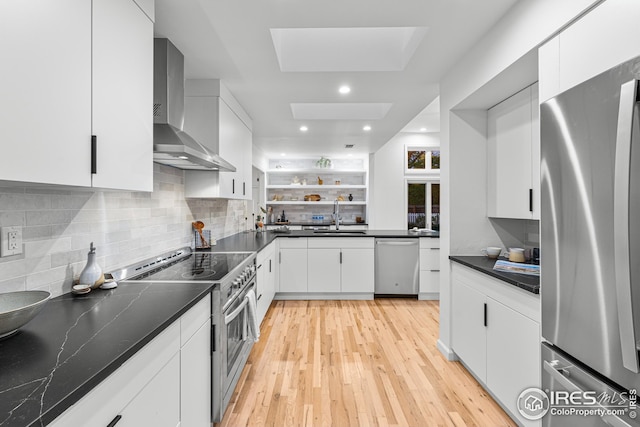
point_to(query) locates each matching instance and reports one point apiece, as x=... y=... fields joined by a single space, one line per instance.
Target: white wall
x=387 y=210
x=527 y=25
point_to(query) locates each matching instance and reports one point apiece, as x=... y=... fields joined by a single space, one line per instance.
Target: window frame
x=428 y=149
x=428 y=181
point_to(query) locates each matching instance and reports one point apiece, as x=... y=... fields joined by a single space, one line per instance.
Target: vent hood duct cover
x=171 y=145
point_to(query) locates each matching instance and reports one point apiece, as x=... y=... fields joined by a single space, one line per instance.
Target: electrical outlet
x=10 y=241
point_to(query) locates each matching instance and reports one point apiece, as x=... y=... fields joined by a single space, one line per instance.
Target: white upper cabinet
x=46 y=91
x=53 y=98
x=513 y=157
x=122 y=95
x=215 y=119
x=603 y=38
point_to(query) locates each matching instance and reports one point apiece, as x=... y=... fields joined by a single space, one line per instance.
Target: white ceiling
x=283 y=59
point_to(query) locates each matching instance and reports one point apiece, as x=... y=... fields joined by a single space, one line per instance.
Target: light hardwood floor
x=356 y=363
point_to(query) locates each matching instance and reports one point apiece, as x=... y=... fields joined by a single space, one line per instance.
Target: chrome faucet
x=336 y=214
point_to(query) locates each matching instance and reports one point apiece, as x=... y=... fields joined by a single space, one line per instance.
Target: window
x=422 y=159
x=423 y=204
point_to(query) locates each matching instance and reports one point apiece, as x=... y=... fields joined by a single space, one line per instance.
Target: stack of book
x=516 y=267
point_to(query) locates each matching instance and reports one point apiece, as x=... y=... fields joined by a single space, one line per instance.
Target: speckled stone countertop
x=485 y=265
x=75 y=342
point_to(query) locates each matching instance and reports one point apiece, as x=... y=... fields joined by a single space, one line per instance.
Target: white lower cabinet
x=357 y=269
x=429 y=268
x=496 y=334
x=195 y=366
x=266 y=279
x=292 y=260
x=469 y=330
x=166 y=383
x=326 y=267
x=158 y=403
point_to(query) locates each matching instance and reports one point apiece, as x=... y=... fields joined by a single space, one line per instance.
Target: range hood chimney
x=171 y=145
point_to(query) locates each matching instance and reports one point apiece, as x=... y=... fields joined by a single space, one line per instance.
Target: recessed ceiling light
x=367 y=128
x=283 y=154
x=423 y=129
x=303 y=128
x=344 y=89
x=183 y=157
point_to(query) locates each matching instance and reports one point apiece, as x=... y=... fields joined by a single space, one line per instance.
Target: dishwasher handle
x=396 y=243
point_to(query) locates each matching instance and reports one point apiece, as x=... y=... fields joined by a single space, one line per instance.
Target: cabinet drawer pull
x=244 y=188
x=531 y=200
x=259 y=297
x=114 y=421
x=485 y=314
x=435 y=271
x=94 y=154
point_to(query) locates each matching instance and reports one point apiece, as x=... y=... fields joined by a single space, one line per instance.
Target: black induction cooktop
x=199 y=266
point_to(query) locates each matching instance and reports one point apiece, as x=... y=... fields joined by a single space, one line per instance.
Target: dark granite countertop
x=321 y=224
x=485 y=265
x=254 y=242
x=77 y=341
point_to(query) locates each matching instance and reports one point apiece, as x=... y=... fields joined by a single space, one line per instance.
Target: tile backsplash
x=59 y=225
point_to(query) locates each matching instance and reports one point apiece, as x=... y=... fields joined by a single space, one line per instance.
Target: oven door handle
x=231 y=316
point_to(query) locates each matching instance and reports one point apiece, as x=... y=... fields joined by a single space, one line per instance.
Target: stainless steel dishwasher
x=397 y=266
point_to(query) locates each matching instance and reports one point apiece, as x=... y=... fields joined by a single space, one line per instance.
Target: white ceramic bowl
x=18 y=308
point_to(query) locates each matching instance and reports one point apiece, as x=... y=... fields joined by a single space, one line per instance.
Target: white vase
x=92 y=271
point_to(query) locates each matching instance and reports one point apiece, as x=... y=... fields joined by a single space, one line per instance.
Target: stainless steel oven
x=236 y=340
x=233 y=276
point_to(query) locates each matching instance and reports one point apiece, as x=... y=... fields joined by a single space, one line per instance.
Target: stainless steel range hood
x=171 y=145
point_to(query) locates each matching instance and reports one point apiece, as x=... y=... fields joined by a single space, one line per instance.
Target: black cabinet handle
x=259 y=297
x=244 y=188
x=114 y=421
x=485 y=314
x=94 y=155
x=531 y=200
x=213 y=338
x=269 y=265
x=258 y=267
x=233 y=186
x=340 y=257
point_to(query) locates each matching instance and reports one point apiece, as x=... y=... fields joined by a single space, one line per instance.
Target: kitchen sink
x=340 y=232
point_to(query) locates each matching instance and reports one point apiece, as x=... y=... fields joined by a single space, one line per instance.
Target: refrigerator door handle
x=626 y=318
x=570 y=386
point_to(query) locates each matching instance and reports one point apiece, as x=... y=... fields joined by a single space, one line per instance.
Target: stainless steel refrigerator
x=590 y=249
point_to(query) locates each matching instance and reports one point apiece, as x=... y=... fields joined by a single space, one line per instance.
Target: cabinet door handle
x=259 y=297
x=213 y=338
x=94 y=154
x=485 y=314
x=269 y=265
x=244 y=188
x=279 y=257
x=340 y=257
x=259 y=267
x=233 y=186
x=114 y=421
x=531 y=200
